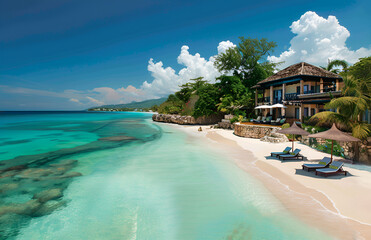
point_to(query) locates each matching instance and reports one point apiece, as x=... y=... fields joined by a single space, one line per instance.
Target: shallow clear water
x=163 y=184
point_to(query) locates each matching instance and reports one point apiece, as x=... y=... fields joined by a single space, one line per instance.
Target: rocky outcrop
x=275 y=137
x=186 y=120
x=253 y=131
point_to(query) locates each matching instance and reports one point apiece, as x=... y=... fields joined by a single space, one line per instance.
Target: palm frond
x=328 y=118
x=337 y=63
x=361 y=130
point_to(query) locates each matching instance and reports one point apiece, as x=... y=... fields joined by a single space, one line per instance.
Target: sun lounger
x=267 y=120
x=334 y=168
x=324 y=163
x=257 y=119
x=292 y=156
x=262 y=120
x=274 y=122
x=276 y=154
x=282 y=121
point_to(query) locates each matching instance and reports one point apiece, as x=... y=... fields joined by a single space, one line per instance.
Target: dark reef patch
x=15 y=142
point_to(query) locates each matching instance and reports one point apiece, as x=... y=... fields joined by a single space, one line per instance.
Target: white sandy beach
x=339 y=205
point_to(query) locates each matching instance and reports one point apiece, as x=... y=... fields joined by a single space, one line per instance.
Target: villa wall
x=291 y=88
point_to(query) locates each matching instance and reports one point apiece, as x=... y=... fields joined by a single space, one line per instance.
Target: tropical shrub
x=326 y=147
x=234 y=119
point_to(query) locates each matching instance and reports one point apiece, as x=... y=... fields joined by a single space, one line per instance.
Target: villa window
x=297 y=113
x=313 y=111
x=306 y=89
x=306 y=111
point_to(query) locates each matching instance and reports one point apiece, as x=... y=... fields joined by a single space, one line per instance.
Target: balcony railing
x=310 y=92
x=329 y=89
x=277 y=100
x=267 y=99
x=291 y=96
x=325 y=89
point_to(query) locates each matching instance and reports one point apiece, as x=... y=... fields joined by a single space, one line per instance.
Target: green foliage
x=326 y=147
x=361 y=69
x=313 y=129
x=234 y=119
x=336 y=63
x=154 y=108
x=208 y=100
x=240 y=118
x=186 y=90
x=173 y=105
x=234 y=94
x=246 y=60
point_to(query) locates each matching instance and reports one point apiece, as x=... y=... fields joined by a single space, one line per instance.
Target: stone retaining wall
x=186 y=120
x=253 y=131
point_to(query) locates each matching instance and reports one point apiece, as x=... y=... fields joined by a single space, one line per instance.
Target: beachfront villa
x=302 y=88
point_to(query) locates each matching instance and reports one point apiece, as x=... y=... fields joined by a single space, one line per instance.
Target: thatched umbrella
x=334 y=134
x=293 y=130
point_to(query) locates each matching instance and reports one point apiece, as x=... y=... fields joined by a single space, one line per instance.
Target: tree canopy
x=247 y=60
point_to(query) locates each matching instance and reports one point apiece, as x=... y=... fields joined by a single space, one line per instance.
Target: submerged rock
x=49 y=194
x=49 y=207
x=27 y=208
x=9 y=174
x=35 y=173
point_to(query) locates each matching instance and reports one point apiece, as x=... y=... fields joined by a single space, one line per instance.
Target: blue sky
x=65 y=55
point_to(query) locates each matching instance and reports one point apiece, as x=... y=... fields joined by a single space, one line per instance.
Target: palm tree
x=336 y=63
x=355 y=101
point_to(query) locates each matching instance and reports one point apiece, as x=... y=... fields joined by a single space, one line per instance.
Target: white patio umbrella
x=263 y=107
x=278 y=105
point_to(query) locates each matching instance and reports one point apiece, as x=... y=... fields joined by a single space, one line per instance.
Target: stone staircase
x=226 y=122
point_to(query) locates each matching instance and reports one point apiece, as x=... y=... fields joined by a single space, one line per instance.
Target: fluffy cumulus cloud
x=317 y=40
x=224 y=45
x=166 y=80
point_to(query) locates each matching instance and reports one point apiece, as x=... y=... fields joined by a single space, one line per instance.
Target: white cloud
x=317 y=40
x=224 y=45
x=167 y=81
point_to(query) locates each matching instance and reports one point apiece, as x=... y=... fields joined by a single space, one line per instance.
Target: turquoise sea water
x=151 y=181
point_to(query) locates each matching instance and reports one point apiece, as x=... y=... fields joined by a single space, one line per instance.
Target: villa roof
x=300 y=69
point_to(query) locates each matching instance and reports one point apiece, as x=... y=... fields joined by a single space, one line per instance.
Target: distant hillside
x=144 y=104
